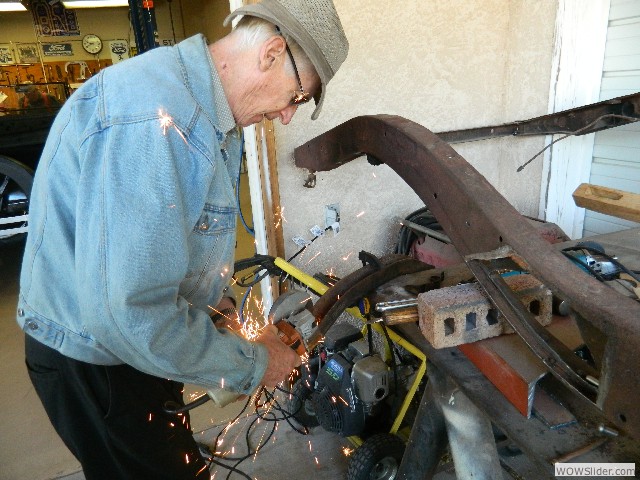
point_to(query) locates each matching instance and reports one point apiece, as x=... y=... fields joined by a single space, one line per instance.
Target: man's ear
x=272 y=52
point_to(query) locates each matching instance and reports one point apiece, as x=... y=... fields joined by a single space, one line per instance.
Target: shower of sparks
x=251 y=328
x=360 y=214
x=166 y=122
x=194 y=395
x=259 y=303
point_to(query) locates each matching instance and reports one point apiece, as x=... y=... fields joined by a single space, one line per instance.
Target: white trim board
x=578 y=57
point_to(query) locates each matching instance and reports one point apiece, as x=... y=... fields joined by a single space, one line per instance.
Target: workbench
x=454 y=378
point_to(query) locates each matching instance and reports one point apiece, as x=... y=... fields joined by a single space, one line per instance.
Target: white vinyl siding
x=616 y=152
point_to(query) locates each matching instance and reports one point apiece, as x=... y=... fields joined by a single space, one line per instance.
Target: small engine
x=344 y=384
x=350 y=384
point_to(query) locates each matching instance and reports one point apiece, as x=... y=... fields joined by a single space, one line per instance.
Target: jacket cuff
x=261 y=359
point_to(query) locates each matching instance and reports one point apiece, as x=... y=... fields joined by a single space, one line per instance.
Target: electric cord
x=243 y=304
x=265 y=411
x=306 y=245
x=577 y=132
x=596 y=251
x=283 y=275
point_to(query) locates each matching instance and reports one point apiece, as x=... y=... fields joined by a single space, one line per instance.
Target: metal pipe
x=427 y=231
x=392 y=305
x=471 y=439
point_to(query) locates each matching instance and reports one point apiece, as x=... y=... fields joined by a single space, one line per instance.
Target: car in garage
x=23 y=132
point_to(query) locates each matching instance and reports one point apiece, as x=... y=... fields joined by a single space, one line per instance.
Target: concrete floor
x=30 y=448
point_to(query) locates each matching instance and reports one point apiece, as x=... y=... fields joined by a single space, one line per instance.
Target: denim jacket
x=132 y=224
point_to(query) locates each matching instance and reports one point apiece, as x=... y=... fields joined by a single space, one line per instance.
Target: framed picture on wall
x=7 y=56
x=27 y=52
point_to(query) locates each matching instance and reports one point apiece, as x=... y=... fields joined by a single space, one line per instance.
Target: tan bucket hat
x=315 y=26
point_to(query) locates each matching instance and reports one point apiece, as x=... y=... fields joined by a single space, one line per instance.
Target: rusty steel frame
x=577 y=121
x=478 y=219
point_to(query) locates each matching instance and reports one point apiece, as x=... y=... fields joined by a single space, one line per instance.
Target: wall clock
x=92 y=43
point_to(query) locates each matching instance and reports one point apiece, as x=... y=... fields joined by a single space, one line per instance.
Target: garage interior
x=468 y=162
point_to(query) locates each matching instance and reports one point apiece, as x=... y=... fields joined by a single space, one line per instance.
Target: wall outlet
x=331 y=214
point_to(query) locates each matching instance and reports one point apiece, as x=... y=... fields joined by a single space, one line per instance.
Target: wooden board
x=610 y=201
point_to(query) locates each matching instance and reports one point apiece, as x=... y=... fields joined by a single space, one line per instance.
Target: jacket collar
x=203 y=81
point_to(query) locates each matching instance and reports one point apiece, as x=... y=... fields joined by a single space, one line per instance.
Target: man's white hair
x=252 y=31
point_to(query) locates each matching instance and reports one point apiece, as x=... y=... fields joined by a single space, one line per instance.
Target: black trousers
x=112 y=418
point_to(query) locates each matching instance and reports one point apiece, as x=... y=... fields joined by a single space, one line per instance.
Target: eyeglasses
x=299 y=96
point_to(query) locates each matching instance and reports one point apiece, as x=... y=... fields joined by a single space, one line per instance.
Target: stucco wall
x=445 y=65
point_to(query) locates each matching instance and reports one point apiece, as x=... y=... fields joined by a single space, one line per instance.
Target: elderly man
x=132 y=235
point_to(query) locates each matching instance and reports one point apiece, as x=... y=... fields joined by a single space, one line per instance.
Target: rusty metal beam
x=577 y=121
x=478 y=219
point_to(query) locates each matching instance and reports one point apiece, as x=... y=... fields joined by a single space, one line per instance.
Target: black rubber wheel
x=378 y=458
x=300 y=406
x=16 y=181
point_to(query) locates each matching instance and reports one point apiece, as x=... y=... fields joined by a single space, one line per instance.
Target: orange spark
x=347 y=451
x=166 y=121
x=347 y=257
x=202 y=469
x=313 y=258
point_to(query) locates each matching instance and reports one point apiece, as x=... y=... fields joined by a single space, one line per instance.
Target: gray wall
x=445 y=65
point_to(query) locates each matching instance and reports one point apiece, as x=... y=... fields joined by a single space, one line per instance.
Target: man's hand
x=282 y=359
